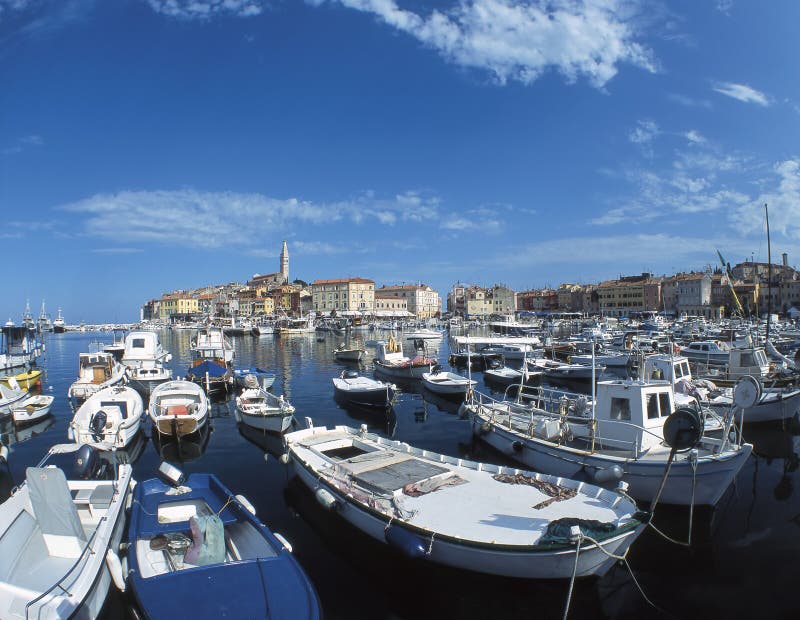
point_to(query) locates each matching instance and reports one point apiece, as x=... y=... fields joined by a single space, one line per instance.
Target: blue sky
x=150 y=145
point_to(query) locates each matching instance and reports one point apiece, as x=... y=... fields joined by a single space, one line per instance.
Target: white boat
x=423 y=334
x=344 y=354
x=553 y=369
x=60 y=532
x=263 y=410
x=353 y=389
x=486 y=518
x=32 y=409
x=44 y=324
x=447 y=383
x=609 y=360
x=20 y=347
x=10 y=394
x=503 y=375
x=96 y=371
x=707 y=351
x=59 y=325
x=211 y=357
x=511 y=351
x=773 y=404
x=621 y=437
x=144 y=359
x=391 y=362
x=111 y=417
x=301 y=325
x=178 y=408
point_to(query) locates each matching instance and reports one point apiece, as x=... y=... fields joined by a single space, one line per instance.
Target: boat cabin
x=143 y=346
x=748 y=361
x=707 y=351
x=630 y=414
x=670 y=368
x=95 y=368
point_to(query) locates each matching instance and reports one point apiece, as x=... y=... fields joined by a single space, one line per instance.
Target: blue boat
x=200 y=552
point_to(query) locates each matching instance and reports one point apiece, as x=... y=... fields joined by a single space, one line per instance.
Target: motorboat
x=553 y=369
x=111 y=416
x=475 y=516
x=96 y=371
x=503 y=375
x=621 y=437
x=145 y=359
x=10 y=395
x=391 y=362
x=27 y=379
x=707 y=351
x=198 y=550
x=211 y=365
x=300 y=325
x=20 y=347
x=32 y=409
x=178 y=408
x=262 y=409
x=265 y=378
x=423 y=334
x=447 y=383
x=60 y=533
x=345 y=354
x=350 y=388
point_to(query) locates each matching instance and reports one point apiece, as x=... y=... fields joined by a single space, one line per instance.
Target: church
x=274 y=279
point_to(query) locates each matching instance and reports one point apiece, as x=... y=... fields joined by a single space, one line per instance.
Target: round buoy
x=683 y=429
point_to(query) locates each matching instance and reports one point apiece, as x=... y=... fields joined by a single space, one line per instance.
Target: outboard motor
x=350 y=374
x=86 y=462
x=97 y=425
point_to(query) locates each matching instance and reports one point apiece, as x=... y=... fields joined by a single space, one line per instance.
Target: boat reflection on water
x=447 y=404
x=270 y=443
x=382 y=419
x=184 y=448
x=131 y=453
x=11 y=433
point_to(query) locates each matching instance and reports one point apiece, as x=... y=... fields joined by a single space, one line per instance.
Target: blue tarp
x=213 y=370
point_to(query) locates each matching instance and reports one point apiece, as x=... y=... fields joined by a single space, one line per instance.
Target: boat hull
x=379 y=397
x=713 y=477
x=481 y=558
x=273 y=423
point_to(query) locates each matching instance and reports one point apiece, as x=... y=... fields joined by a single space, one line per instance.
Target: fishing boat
x=20 y=347
x=43 y=324
x=620 y=437
x=263 y=410
x=59 y=325
x=96 y=371
x=345 y=354
x=145 y=359
x=476 y=516
x=707 y=351
x=350 y=388
x=211 y=365
x=110 y=416
x=289 y=326
x=447 y=383
x=504 y=376
x=198 y=550
x=60 y=533
x=178 y=408
x=423 y=334
x=391 y=362
x=31 y=409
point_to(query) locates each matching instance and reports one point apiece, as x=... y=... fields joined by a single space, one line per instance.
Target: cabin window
x=652 y=407
x=748 y=359
x=666 y=409
x=704 y=347
x=620 y=409
x=678 y=370
x=138 y=343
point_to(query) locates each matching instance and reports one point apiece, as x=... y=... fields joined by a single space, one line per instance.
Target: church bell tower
x=285 y=263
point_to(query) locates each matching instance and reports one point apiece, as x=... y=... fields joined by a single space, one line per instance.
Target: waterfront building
x=457 y=299
x=504 y=299
x=421 y=300
x=390 y=304
x=343 y=294
x=629 y=294
x=179 y=305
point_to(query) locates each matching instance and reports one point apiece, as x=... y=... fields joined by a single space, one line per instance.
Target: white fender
x=246 y=503
x=3 y=454
x=115 y=568
x=283 y=541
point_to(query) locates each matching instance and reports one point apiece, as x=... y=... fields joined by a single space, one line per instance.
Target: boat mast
x=769 y=273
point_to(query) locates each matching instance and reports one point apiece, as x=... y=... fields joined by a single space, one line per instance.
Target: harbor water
x=740 y=563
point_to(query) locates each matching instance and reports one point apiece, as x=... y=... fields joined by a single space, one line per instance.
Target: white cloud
x=783 y=203
x=689 y=102
x=694 y=137
x=211 y=219
x=321 y=247
x=644 y=132
x=742 y=92
x=519 y=40
x=21 y=144
x=117 y=251
x=204 y=9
